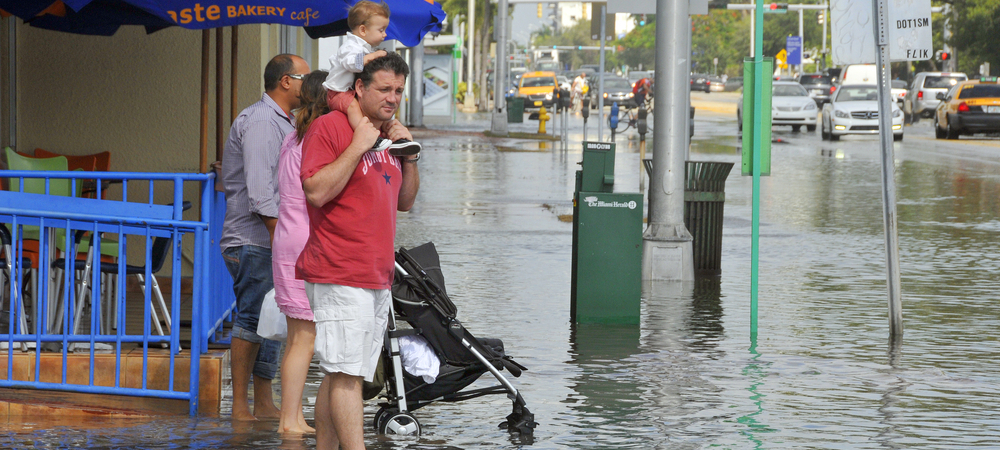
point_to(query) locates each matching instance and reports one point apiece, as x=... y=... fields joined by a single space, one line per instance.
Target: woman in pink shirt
x=290 y=237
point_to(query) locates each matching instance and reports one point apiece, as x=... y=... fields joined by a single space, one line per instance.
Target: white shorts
x=350 y=327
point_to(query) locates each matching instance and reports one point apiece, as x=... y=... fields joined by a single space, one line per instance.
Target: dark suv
x=819 y=87
x=701 y=82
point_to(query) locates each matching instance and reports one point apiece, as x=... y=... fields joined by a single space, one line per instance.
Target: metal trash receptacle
x=515 y=110
x=704 y=201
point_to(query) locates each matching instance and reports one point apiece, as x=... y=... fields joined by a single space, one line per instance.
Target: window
x=980 y=91
x=788 y=90
x=941 y=82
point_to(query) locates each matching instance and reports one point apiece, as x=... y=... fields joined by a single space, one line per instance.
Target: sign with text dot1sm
x=793 y=44
x=908 y=28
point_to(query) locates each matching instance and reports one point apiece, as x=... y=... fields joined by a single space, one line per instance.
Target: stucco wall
x=135 y=95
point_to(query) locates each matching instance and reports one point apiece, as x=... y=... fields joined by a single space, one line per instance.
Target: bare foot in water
x=262 y=412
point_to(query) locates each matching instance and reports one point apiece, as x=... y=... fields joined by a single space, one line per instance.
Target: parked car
x=537 y=89
x=700 y=82
x=854 y=110
x=716 y=84
x=564 y=83
x=859 y=74
x=734 y=83
x=921 y=100
x=833 y=73
x=969 y=107
x=616 y=89
x=898 y=91
x=819 y=87
x=790 y=105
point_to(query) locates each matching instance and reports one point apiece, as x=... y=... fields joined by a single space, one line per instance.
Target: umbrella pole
x=234 y=40
x=203 y=150
x=220 y=71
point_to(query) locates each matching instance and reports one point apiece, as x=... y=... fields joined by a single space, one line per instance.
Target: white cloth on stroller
x=418 y=358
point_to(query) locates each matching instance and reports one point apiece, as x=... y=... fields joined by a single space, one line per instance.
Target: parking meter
x=586 y=109
x=613 y=118
x=641 y=126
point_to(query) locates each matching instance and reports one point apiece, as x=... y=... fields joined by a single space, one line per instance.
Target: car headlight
x=629 y=95
x=548 y=96
x=897 y=113
x=841 y=114
x=810 y=106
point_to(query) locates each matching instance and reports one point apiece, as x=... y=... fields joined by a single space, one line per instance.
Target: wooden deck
x=213 y=372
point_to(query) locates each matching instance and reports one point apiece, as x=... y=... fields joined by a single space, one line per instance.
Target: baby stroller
x=419 y=298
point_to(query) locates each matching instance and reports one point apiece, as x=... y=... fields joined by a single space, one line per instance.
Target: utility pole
x=499 y=124
x=470 y=102
x=667 y=250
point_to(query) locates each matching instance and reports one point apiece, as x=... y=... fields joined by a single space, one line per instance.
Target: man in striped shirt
x=249 y=176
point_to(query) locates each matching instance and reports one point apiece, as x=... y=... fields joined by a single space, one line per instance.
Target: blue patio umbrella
x=410 y=21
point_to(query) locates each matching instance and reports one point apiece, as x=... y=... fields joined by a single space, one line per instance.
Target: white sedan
x=790 y=105
x=854 y=110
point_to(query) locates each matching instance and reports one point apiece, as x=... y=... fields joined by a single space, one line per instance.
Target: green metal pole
x=758 y=83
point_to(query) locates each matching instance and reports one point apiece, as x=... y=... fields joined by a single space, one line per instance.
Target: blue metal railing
x=54 y=320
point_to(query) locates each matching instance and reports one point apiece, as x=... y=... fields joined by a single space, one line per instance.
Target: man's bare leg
x=326 y=435
x=347 y=410
x=242 y=357
x=263 y=399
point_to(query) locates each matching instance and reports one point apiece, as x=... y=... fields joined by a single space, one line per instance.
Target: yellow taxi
x=970 y=107
x=537 y=89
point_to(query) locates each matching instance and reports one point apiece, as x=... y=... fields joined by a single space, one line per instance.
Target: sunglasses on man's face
x=296 y=76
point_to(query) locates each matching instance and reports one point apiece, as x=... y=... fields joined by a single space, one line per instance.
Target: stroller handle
x=401 y=270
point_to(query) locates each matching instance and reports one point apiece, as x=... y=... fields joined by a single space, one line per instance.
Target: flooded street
x=822 y=373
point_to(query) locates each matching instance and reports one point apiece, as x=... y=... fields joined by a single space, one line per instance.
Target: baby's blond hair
x=364 y=10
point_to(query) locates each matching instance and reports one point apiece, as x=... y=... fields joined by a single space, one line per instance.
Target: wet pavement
x=822 y=373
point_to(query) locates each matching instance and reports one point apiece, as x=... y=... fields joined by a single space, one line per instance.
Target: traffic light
x=821 y=17
x=945 y=56
x=642 y=20
x=776 y=8
x=539 y=10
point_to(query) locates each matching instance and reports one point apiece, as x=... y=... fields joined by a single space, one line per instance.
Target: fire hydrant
x=543 y=116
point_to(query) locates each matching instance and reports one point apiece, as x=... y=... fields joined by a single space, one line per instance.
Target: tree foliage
x=725 y=35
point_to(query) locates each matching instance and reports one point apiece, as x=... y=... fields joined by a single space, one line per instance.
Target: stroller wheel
x=381 y=415
x=401 y=424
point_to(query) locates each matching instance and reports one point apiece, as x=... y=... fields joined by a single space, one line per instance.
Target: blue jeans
x=250 y=267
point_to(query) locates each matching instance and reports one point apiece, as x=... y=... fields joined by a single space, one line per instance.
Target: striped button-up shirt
x=249 y=172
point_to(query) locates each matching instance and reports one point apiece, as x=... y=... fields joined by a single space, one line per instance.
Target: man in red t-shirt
x=353 y=194
x=640 y=90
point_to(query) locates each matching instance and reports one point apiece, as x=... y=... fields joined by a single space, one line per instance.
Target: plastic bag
x=271 y=324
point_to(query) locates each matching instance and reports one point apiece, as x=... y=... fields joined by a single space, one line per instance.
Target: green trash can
x=704 y=199
x=515 y=109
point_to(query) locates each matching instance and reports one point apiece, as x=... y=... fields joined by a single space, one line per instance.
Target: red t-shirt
x=351 y=237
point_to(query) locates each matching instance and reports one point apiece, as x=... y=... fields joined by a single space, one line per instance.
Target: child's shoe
x=404 y=147
x=381 y=144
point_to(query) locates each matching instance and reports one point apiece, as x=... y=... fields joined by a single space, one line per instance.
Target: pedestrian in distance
x=249 y=177
x=368 y=21
x=289 y=238
x=353 y=195
x=579 y=89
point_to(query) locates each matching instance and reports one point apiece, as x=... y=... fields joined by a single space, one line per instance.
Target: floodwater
x=822 y=372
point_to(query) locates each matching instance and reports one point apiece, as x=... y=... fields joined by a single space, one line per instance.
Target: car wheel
x=951 y=133
x=796 y=128
x=739 y=123
x=897 y=137
x=834 y=137
x=822 y=132
x=811 y=128
x=938 y=132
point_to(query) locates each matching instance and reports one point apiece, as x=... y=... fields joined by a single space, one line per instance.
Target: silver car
x=790 y=105
x=921 y=100
x=854 y=110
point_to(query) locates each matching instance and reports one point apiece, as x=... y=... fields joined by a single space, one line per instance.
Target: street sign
x=782 y=59
x=908 y=31
x=595 y=23
x=793 y=44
